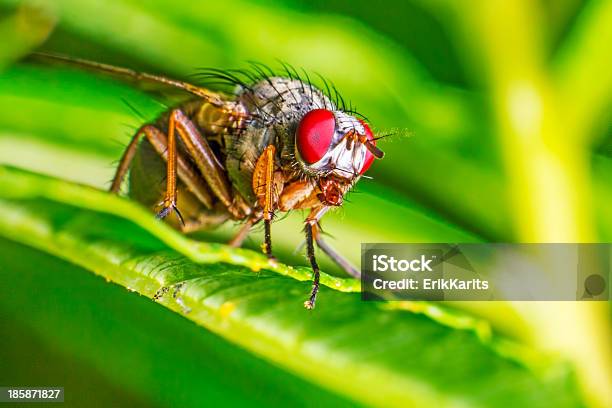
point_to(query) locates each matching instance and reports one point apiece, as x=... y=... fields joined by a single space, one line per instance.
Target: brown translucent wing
x=148 y=82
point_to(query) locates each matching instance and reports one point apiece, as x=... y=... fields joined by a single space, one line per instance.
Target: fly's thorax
x=243 y=150
x=282 y=100
x=277 y=105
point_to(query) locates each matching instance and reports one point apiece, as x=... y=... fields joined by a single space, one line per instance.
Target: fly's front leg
x=334 y=256
x=311 y=230
x=303 y=194
x=266 y=187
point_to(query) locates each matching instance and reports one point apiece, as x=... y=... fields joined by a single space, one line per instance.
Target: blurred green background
x=501 y=111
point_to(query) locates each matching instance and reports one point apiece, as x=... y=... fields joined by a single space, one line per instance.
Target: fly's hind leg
x=200 y=152
x=160 y=144
x=202 y=155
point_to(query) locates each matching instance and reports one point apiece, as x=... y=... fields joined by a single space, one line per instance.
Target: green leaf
x=131 y=353
x=373 y=353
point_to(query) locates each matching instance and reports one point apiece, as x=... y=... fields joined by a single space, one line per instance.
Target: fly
x=277 y=144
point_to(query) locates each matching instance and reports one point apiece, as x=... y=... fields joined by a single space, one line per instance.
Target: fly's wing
x=144 y=81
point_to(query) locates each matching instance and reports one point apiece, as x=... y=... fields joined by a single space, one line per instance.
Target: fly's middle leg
x=268 y=211
x=265 y=188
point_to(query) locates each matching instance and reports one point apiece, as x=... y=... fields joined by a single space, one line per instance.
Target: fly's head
x=320 y=139
x=335 y=149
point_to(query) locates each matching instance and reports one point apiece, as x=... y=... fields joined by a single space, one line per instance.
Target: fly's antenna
x=384 y=136
x=379 y=154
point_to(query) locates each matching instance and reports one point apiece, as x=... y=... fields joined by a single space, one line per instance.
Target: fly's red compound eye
x=314 y=134
x=369 y=158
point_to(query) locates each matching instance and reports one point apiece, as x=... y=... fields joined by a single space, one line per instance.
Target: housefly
x=276 y=144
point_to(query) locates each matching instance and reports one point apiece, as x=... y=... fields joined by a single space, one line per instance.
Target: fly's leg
x=310 y=303
x=243 y=232
x=127 y=158
x=158 y=140
x=204 y=221
x=169 y=202
x=200 y=152
x=268 y=211
x=268 y=239
x=310 y=229
x=210 y=176
x=334 y=256
x=170 y=154
x=264 y=186
x=202 y=155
